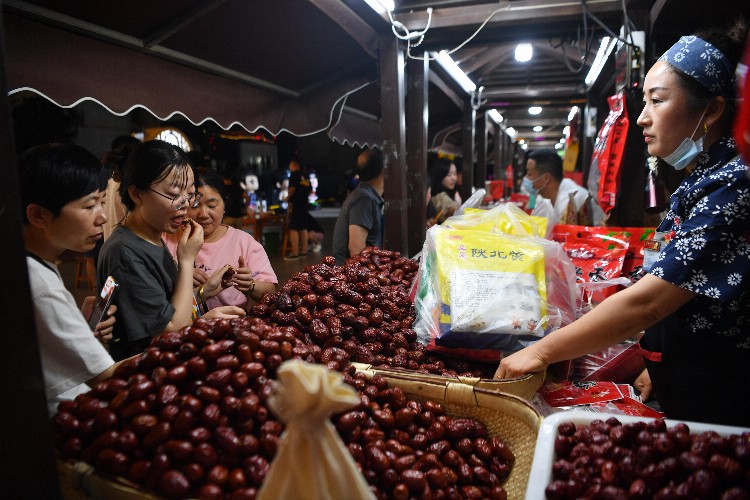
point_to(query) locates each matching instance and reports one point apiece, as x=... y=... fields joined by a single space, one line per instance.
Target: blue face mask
x=527 y=185
x=687 y=151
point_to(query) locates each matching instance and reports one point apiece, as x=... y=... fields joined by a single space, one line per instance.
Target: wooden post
x=480 y=173
x=394 y=143
x=467 y=143
x=417 y=114
x=28 y=469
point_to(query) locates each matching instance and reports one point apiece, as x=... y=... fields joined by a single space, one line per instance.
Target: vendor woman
x=695 y=301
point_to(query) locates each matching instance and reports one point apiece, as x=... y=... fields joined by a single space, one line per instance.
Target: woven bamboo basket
x=506 y=416
x=524 y=387
x=79 y=481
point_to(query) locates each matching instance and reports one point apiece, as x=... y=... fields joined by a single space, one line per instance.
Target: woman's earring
x=705 y=127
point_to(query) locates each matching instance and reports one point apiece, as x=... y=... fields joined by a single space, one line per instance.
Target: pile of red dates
x=363 y=308
x=610 y=460
x=188 y=418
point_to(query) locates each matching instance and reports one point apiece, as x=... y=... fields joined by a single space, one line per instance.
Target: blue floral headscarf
x=699 y=59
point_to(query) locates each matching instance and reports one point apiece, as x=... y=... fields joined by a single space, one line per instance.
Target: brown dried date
x=377 y=459
x=157 y=435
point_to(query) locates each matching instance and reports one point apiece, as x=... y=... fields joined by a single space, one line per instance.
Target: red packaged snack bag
x=635 y=236
x=608 y=151
x=742 y=121
x=596 y=257
x=620 y=363
x=570 y=393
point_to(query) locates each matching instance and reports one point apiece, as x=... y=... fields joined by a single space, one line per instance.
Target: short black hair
x=372 y=165
x=53 y=175
x=149 y=163
x=213 y=180
x=547 y=162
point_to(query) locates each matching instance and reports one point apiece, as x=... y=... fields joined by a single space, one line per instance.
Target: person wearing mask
x=544 y=177
x=694 y=303
x=156 y=293
x=299 y=191
x=444 y=194
x=224 y=245
x=62 y=194
x=360 y=221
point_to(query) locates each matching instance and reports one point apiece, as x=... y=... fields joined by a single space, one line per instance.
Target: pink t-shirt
x=227 y=250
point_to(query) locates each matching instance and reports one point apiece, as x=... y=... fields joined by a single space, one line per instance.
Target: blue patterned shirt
x=709 y=253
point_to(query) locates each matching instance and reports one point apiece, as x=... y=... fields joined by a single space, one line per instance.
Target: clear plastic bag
x=486 y=292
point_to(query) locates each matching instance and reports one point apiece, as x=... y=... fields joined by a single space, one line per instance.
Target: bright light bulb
x=558 y=145
x=524 y=146
x=511 y=132
x=538 y=128
x=572 y=113
x=605 y=49
x=495 y=115
x=566 y=130
x=449 y=65
x=381 y=6
x=535 y=110
x=524 y=52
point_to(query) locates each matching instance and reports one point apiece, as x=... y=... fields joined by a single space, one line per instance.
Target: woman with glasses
x=157 y=187
x=224 y=245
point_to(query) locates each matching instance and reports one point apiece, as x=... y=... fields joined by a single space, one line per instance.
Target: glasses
x=178 y=202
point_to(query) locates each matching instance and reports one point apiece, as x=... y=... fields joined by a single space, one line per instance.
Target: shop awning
x=235 y=62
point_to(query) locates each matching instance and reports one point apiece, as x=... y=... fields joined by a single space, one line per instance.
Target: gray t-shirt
x=146 y=274
x=363 y=207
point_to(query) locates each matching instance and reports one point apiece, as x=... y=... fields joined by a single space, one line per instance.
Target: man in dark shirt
x=360 y=222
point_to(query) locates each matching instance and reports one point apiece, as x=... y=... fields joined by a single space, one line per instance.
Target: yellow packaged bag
x=491 y=283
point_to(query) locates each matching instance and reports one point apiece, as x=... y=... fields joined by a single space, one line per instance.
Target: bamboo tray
x=524 y=387
x=506 y=416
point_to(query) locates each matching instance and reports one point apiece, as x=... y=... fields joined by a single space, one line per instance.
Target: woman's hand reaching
x=521 y=363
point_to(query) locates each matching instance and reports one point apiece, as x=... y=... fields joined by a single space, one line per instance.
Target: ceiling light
x=524 y=146
x=605 y=49
x=495 y=115
x=523 y=52
x=562 y=140
x=566 y=130
x=511 y=132
x=538 y=128
x=456 y=73
x=521 y=141
x=558 y=145
x=572 y=113
x=381 y=6
x=535 y=110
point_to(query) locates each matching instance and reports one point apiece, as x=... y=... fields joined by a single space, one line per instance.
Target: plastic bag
x=474 y=201
x=483 y=293
x=312 y=462
x=505 y=218
x=598 y=259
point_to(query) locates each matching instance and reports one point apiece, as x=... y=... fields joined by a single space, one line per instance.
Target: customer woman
x=155 y=292
x=444 y=189
x=695 y=302
x=224 y=245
